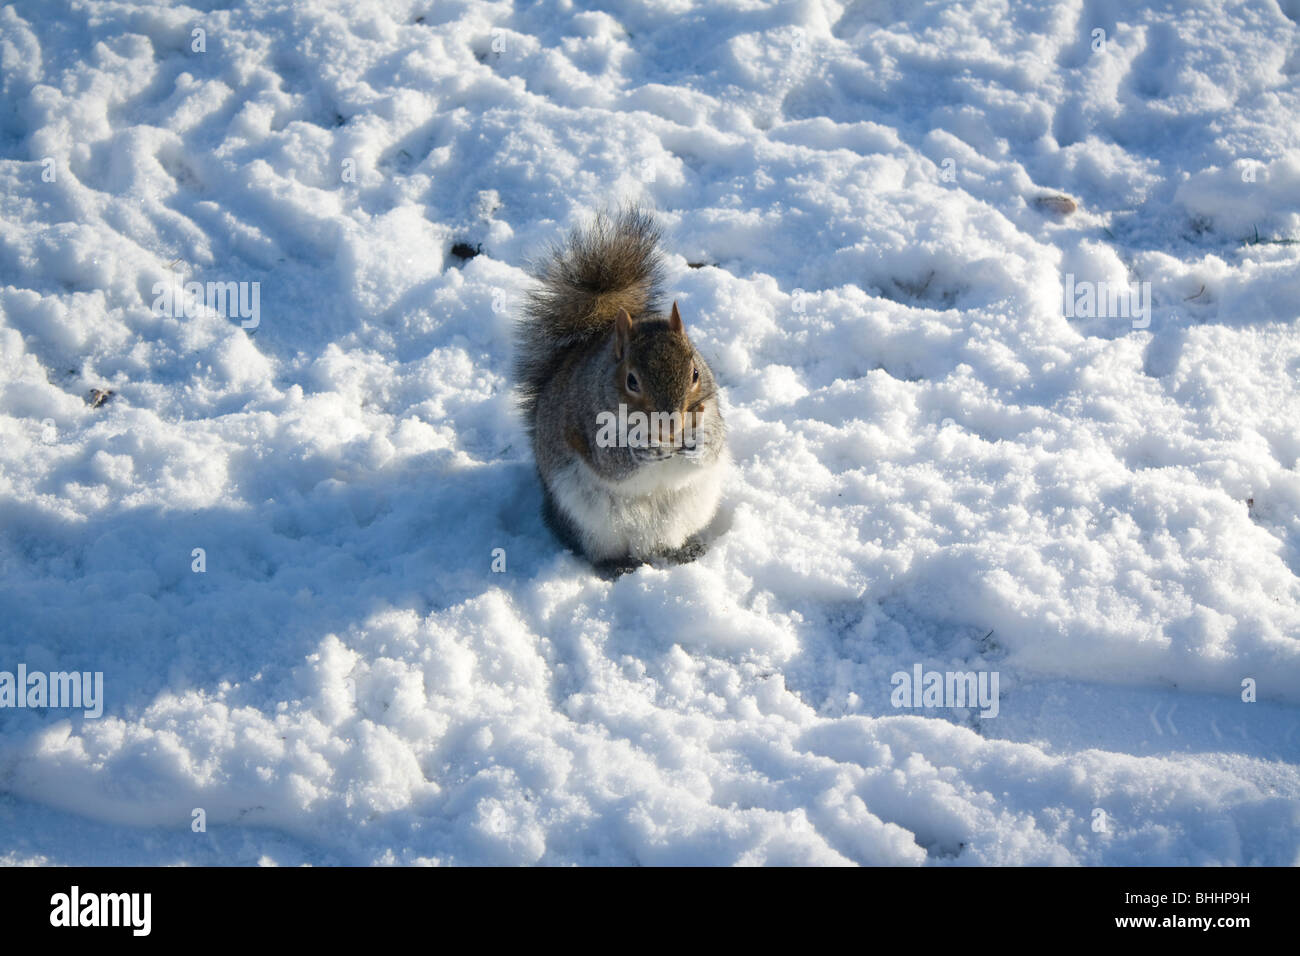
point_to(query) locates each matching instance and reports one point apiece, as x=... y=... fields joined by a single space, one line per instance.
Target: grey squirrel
x=595 y=354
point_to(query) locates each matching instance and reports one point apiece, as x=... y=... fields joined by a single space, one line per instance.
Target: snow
x=934 y=465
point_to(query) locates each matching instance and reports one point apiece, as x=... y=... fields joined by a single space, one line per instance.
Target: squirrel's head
x=657 y=369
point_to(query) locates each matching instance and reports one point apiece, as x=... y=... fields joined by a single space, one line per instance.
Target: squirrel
x=594 y=355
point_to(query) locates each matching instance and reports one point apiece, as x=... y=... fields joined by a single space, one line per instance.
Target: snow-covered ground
x=936 y=466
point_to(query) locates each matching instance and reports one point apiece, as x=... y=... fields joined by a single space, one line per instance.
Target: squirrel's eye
x=695 y=374
x=632 y=384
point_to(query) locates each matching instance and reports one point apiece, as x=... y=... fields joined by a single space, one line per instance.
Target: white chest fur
x=653 y=511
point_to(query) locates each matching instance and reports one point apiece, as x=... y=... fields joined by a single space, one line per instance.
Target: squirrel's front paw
x=614 y=569
x=692 y=549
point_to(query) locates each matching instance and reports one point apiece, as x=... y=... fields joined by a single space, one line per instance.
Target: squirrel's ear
x=622 y=332
x=675 y=320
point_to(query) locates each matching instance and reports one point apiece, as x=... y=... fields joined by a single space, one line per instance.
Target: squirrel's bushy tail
x=613 y=264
